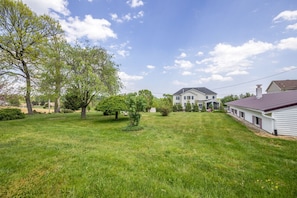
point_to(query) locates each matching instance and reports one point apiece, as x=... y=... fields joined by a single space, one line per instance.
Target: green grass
x=182 y=155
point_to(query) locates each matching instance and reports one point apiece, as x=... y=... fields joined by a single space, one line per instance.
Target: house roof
x=200 y=89
x=268 y=102
x=285 y=85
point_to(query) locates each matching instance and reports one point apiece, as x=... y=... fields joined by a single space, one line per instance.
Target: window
x=241 y=114
x=257 y=121
x=177 y=98
x=206 y=97
x=189 y=97
x=192 y=97
x=185 y=97
x=213 y=97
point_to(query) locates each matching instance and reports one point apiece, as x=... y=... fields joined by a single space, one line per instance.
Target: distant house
x=282 y=85
x=274 y=112
x=198 y=95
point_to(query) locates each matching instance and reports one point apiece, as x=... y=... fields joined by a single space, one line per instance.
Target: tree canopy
x=113 y=104
x=92 y=72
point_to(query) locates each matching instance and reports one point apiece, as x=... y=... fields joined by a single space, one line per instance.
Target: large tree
x=22 y=35
x=55 y=70
x=92 y=72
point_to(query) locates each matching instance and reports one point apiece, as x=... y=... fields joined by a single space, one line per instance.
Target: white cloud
x=75 y=28
x=288 y=43
x=169 y=67
x=135 y=3
x=183 y=64
x=182 y=55
x=178 y=83
x=90 y=0
x=126 y=17
x=150 y=67
x=125 y=77
x=214 y=77
x=115 y=17
x=123 y=53
x=199 y=53
x=286 y=15
x=122 y=49
x=292 y=27
x=187 y=73
x=140 y=14
x=93 y=29
x=45 y=7
x=226 y=58
x=237 y=72
x=289 y=68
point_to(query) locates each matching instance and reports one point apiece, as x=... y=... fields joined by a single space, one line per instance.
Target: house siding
x=266 y=123
x=194 y=96
x=286 y=121
x=273 y=88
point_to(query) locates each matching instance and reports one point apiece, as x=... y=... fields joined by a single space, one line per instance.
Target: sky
x=227 y=46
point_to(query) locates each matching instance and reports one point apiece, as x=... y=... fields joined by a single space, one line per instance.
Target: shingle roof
x=285 y=85
x=268 y=102
x=200 y=89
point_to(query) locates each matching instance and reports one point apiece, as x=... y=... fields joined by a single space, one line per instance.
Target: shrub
x=11 y=114
x=165 y=111
x=195 y=107
x=174 y=108
x=68 y=111
x=203 y=108
x=188 y=107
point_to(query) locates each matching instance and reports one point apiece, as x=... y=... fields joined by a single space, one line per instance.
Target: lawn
x=182 y=155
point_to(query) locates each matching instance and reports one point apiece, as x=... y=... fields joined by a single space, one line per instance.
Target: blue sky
x=228 y=46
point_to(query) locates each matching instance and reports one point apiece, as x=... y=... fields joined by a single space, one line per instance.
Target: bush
x=188 y=107
x=67 y=111
x=11 y=114
x=165 y=111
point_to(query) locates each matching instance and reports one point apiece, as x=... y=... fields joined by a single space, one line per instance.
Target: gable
x=282 y=85
x=273 y=87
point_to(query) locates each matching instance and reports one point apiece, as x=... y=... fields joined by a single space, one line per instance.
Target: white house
x=196 y=95
x=274 y=112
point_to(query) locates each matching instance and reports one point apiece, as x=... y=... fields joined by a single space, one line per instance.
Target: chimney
x=259 y=91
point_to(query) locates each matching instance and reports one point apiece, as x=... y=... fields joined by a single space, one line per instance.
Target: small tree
x=174 y=108
x=179 y=107
x=188 y=107
x=113 y=104
x=165 y=106
x=72 y=101
x=203 y=108
x=195 y=107
x=135 y=105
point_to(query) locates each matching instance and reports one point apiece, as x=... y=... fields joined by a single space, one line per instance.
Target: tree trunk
x=57 y=105
x=116 y=115
x=49 y=105
x=83 y=114
x=58 y=89
x=28 y=95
